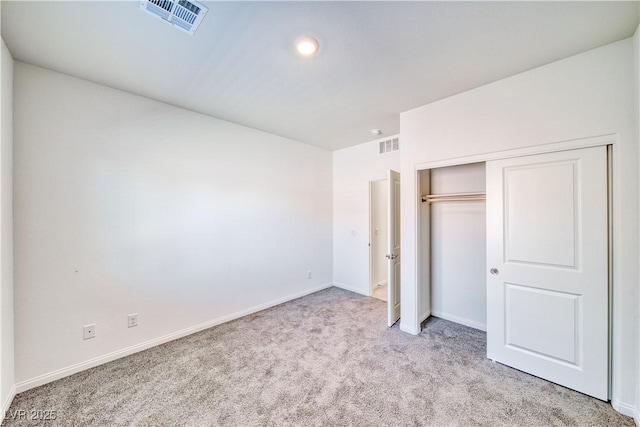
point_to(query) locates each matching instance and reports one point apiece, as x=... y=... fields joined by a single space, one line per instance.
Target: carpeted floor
x=327 y=359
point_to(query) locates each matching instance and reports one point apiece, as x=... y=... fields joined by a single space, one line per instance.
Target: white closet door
x=547 y=284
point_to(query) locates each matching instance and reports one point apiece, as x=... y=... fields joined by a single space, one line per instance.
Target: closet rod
x=456 y=197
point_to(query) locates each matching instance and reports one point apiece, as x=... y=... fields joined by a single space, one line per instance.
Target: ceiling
x=376 y=59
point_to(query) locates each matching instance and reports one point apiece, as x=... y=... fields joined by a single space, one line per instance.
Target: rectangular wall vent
x=182 y=14
x=388 y=146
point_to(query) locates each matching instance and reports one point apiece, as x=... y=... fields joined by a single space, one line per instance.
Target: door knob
x=494 y=271
x=391 y=256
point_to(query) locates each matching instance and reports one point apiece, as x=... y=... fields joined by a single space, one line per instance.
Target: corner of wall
x=7 y=367
x=625 y=409
x=354 y=289
x=6 y=403
x=636 y=78
x=409 y=329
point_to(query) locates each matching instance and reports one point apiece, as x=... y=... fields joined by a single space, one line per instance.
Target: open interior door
x=393 y=248
x=547 y=284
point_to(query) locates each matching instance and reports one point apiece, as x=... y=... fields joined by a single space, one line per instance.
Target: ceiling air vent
x=182 y=14
x=388 y=145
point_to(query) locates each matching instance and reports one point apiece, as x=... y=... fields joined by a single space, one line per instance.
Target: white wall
x=353 y=168
x=583 y=96
x=6 y=231
x=458 y=247
x=127 y=205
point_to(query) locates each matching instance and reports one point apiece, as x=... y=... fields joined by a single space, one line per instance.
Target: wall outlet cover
x=132 y=320
x=89 y=331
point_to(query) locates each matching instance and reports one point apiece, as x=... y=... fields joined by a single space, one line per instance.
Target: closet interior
x=453 y=243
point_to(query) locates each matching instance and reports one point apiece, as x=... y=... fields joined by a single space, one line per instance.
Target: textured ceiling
x=376 y=59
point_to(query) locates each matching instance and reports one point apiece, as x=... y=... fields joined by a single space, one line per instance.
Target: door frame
x=610 y=140
x=370 y=217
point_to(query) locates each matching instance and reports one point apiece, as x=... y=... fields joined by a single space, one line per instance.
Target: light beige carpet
x=327 y=359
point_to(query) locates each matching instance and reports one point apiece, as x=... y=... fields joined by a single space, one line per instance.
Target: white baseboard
x=461 y=320
x=351 y=288
x=424 y=317
x=70 y=370
x=625 y=409
x=409 y=329
x=7 y=402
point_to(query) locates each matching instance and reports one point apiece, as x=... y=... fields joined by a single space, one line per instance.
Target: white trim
x=611 y=263
x=461 y=320
x=593 y=141
x=378 y=178
x=424 y=317
x=409 y=328
x=369 y=226
x=416 y=242
x=625 y=409
x=7 y=402
x=70 y=370
x=350 y=288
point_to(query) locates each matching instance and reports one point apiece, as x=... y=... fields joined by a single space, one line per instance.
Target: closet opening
x=378 y=223
x=519 y=247
x=453 y=243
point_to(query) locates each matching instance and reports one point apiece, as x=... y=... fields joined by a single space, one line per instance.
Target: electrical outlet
x=309 y=274
x=89 y=331
x=132 y=320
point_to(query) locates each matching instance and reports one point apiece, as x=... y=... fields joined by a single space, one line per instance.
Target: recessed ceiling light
x=307 y=46
x=376 y=132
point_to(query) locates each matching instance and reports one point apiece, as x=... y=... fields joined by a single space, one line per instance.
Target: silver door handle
x=391 y=256
x=494 y=271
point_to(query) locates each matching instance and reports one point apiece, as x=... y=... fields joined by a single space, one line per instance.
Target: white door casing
x=547 y=256
x=393 y=248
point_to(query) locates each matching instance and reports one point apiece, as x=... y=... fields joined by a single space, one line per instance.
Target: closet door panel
x=533 y=205
x=547 y=284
